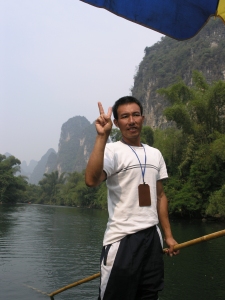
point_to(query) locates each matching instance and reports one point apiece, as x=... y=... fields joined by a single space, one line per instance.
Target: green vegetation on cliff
x=169 y=60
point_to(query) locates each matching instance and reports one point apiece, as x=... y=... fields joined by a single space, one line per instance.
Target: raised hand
x=104 y=123
x=94 y=174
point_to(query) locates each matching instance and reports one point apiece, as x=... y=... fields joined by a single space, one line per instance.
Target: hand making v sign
x=104 y=123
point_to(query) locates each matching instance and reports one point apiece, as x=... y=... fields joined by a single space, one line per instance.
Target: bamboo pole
x=199 y=240
x=176 y=247
x=69 y=286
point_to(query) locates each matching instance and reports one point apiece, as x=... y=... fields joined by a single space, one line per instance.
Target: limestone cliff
x=39 y=169
x=168 y=60
x=75 y=145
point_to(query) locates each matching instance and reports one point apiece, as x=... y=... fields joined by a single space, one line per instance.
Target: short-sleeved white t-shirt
x=124 y=175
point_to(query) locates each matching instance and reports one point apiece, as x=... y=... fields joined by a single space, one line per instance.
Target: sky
x=58 y=58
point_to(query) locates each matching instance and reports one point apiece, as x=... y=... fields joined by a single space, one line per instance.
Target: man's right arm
x=94 y=173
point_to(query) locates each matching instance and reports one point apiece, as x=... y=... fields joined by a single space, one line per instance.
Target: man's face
x=130 y=123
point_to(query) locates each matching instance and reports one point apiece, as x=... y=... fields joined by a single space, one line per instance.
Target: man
x=132 y=257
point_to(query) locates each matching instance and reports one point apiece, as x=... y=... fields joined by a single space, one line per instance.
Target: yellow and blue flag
x=179 y=19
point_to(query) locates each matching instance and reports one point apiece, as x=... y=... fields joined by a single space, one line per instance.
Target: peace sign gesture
x=104 y=124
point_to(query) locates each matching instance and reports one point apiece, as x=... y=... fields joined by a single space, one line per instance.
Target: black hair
x=125 y=100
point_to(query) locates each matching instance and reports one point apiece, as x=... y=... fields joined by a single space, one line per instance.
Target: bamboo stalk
x=69 y=286
x=199 y=240
x=176 y=247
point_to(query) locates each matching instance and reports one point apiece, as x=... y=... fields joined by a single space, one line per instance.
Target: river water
x=43 y=248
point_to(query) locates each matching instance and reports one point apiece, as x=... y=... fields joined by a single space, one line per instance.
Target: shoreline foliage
x=12 y=187
x=196 y=155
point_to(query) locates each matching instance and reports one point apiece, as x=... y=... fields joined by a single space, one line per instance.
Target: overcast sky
x=58 y=58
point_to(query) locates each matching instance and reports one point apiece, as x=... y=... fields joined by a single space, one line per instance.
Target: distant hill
x=168 y=60
x=40 y=168
x=27 y=169
x=75 y=145
x=7 y=154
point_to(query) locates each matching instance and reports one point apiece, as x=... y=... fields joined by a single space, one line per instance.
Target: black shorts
x=133 y=268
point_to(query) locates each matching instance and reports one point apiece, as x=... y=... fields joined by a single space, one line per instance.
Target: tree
x=101 y=197
x=198 y=113
x=217 y=203
x=32 y=194
x=86 y=196
x=171 y=143
x=50 y=186
x=11 y=186
x=68 y=192
x=147 y=135
x=115 y=135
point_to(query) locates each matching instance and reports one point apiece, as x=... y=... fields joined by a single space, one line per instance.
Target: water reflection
x=49 y=247
x=199 y=271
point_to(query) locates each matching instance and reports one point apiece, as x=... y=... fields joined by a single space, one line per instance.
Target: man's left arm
x=162 y=208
